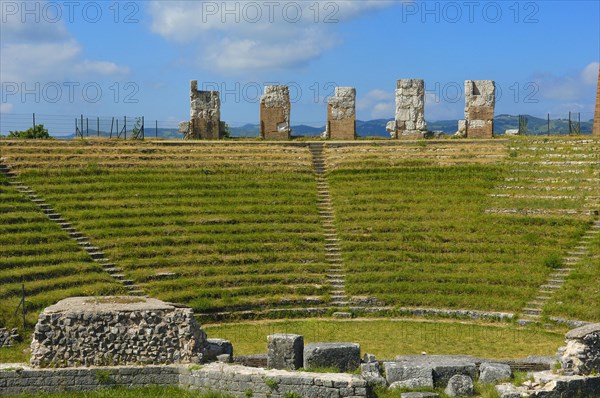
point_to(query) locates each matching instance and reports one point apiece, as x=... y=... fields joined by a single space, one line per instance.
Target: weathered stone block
x=459 y=386
x=215 y=347
x=410 y=109
x=205 y=114
x=341 y=114
x=285 y=351
x=115 y=330
x=408 y=376
x=419 y=395
x=275 y=113
x=371 y=373
x=581 y=355
x=343 y=356
x=480 y=101
x=494 y=372
x=443 y=367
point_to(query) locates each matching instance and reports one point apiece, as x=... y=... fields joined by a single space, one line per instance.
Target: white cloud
x=572 y=86
x=46 y=51
x=234 y=36
x=377 y=104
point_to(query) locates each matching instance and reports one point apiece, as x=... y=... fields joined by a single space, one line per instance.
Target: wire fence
x=140 y=127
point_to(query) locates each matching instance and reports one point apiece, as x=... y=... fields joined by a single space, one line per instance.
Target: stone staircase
x=94 y=252
x=335 y=273
x=533 y=310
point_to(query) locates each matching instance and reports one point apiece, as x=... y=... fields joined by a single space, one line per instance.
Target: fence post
x=81 y=125
x=125 y=125
x=156 y=128
x=23 y=302
x=98 y=125
x=87 y=127
x=34 y=121
x=548 y=125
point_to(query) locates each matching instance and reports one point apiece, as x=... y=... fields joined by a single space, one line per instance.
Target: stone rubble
x=85 y=331
x=9 y=337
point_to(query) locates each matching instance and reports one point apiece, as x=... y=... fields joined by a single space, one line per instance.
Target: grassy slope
x=237 y=226
x=35 y=251
x=415 y=232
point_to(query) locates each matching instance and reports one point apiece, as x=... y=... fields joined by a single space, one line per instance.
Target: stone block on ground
x=407 y=375
x=443 y=366
x=343 y=356
x=494 y=372
x=459 y=386
x=371 y=373
x=419 y=395
x=285 y=351
x=215 y=347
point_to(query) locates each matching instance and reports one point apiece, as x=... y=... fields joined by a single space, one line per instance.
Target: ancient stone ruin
x=341 y=114
x=410 y=110
x=480 y=100
x=275 y=113
x=205 y=115
x=87 y=331
x=581 y=355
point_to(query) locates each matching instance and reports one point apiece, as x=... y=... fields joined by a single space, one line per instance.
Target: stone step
x=75 y=234
x=127 y=282
x=15 y=183
x=532 y=311
x=96 y=254
x=54 y=216
x=535 y=304
x=81 y=239
x=565 y=269
x=113 y=271
x=84 y=243
x=136 y=292
x=336 y=281
x=38 y=200
x=48 y=210
x=92 y=249
x=332 y=275
x=108 y=265
x=117 y=275
x=555 y=281
x=101 y=260
x=577 y=253
x=64 y=224
x=542 y=298
x=549 y=287
x=70 y=230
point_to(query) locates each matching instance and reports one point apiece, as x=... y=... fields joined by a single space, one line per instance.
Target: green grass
x=36 y=252
x=147 y=392
x=390 y=337
x=235 y=226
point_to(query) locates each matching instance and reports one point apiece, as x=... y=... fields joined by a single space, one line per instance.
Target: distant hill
x=376 y=128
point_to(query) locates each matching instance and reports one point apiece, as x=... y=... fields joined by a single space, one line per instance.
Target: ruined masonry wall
x=205 y=113
x=341 y=114
x=80 y=332
x=410 y=109
x=275 y=113
x=480 y=101
x=231 y=379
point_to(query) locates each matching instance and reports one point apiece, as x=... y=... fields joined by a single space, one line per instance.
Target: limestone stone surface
x=443 y=367
x=341 y=114
x=124 y=330
x=343 y=356
x=215 y=347
x=494 y=372
x=406 y=375
x=410 y=109
x=275 y=113
x=205 y=114
x=419 y=395
x=459 y=386
x=371 y=373
x=285 y=351
x=581 y=355
x=480 y=101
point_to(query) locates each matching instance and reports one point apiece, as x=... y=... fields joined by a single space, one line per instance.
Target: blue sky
x=131 y=58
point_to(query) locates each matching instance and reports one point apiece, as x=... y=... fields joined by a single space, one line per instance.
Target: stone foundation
x=88 y=331
x=275 y=113
x=205 y=114
x=341 y=114
x=410 y=109
x=480 y=101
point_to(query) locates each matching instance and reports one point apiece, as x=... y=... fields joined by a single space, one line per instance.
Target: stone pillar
x=205 y=114
x=341 y=114
x=275 y=113
x=410 y=109
x=285 y=351
x=480 y=100
x=596 y=130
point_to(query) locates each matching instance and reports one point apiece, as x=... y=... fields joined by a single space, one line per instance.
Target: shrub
x=37 y=132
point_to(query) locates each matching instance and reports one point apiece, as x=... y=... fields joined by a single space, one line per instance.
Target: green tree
x=37 y=132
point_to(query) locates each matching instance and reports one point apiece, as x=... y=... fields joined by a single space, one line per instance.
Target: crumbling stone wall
x=9 y=337
x=581 y=355
x=341 y=114
x=205 y=114
x=275 y=113
x=410 y=109
x=87 y=331
x=480 y=100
